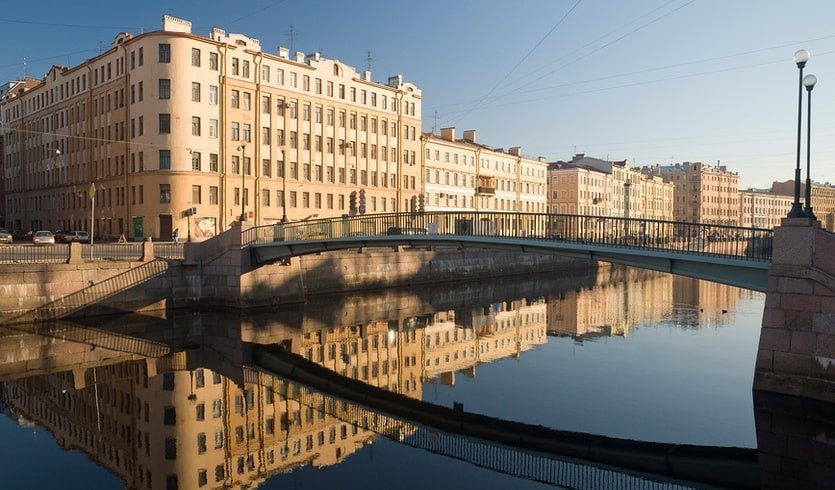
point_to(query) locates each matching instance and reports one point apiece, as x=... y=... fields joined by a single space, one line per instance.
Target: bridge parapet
x=796 y=353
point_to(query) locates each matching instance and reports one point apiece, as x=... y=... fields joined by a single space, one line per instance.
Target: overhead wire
x=522 y=60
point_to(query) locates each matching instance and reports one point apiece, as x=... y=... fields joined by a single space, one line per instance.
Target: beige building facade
x=170 y=130
x=595 y=187
x=463 y=175
x=762 y=209
x=703 y=193
x=823 y=200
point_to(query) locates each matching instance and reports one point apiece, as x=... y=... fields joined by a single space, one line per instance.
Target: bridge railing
x=699 y=238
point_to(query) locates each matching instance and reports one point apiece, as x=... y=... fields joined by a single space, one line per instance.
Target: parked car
x=43 y=237
x=79 y=236
x=59 y=236
x=5 y=236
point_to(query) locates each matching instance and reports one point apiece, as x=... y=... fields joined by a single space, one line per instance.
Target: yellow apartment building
x=762 y=209
x=463 y=175
x=823 y=199
x=703 y=193
x=595 y=187
x=171 y=130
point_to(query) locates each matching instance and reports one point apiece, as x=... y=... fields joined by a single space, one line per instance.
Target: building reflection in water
x=624 y=298
x=192 y=414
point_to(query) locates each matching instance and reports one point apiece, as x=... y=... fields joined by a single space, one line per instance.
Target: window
x=195 y=57
x=265 y=196
x=213 y=194
x=164 y=193
x=247 y=132
x=212 y=94
x=213 y=61
x=265 y=104
x=164 y=88
x=236 y=131
x=195 y=126
x=245 y=69
x=164 y=123
x=201 y=443
x=213 y=128
x=195 y=92
x=165 y=161
x=247 y=100
x=235 y=99
x=164 y=53
x=169 y=416
x=265 y=73
x=170 y=445
x=235 y=66
x=279 y=76
x=196 y=163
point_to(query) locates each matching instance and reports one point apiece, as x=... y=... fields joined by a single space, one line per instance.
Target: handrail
x=662 y=235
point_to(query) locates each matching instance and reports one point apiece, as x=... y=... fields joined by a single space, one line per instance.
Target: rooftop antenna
x=292 y=35
x=435 y=124
x=368 y=60
x=24 y=68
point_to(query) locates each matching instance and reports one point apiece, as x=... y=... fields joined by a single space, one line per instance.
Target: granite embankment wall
x=218 y=273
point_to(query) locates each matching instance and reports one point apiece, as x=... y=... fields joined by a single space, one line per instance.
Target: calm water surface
x=619 y=352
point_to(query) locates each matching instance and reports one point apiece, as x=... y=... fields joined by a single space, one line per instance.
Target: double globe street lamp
x=801 y=57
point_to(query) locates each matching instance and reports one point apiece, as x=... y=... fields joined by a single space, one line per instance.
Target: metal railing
x=25 y=253
x=693 y=238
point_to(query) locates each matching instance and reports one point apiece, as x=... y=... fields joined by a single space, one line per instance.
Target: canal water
x=174 y=401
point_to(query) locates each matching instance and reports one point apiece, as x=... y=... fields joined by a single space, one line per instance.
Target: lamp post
x=242 y=148
x=809 y=82
x=801 y=56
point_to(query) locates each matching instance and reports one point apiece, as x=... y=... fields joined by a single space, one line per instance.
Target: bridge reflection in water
x=172 y=400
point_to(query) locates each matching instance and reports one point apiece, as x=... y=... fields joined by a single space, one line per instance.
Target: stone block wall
x=796 y=354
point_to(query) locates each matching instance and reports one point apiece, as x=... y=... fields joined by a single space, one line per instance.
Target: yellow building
x=593 y=187
x=462 y=175
x=703 y=193
x=762 y=209
x=823 y=200
x=170 y=130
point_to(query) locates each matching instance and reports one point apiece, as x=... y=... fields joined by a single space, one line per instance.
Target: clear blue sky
x=652 y=81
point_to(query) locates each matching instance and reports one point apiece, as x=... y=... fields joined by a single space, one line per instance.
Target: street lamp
x=801 y=56
x=242 y=149
x=809 y=82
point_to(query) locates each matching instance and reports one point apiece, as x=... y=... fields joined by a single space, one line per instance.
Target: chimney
x=283 y=53
x=299 y=57
x=366 y=75
x=395 y=81
x=469 y=135
x=448 y=134
x=515 y=151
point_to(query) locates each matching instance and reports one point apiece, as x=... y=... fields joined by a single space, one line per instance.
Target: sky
x=649 y=81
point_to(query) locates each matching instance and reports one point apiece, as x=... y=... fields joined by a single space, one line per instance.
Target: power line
x=75 y=26
x=509 y=73
x=606 y=45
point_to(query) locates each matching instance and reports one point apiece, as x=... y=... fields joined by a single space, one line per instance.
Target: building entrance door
x=165 y=227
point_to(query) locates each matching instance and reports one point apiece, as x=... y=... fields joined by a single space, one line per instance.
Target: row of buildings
x=168 y=130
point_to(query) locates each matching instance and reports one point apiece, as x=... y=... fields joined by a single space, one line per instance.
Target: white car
x=43 y=237
x=5 y=236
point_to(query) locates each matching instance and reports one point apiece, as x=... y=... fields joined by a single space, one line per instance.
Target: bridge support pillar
x=796 y=353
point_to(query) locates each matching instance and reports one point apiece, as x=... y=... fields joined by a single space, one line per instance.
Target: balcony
x=485 y=191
